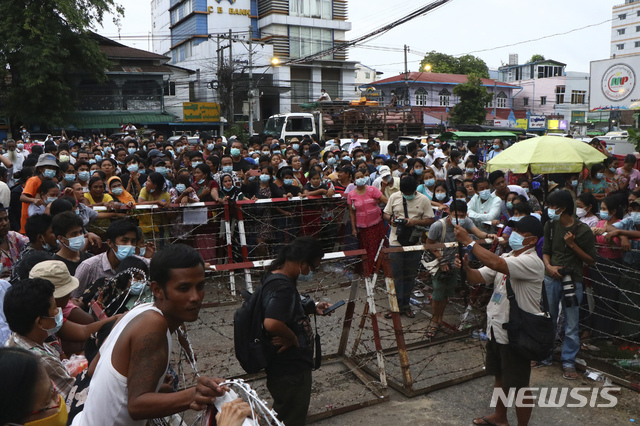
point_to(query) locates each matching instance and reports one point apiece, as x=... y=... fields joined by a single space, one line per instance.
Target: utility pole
x=231 y=119
x=406 y=76
x=250 y=81
x=218 y=64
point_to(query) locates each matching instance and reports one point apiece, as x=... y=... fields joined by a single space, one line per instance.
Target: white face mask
x=581 y=212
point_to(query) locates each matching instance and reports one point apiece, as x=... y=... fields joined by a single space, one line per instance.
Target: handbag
x=530 y=335
x=429 y=260
x=408 y=235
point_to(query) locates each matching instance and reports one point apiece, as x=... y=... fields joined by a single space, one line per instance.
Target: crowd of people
x=70 y=272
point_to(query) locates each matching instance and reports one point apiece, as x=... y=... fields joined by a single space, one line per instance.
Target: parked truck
x=339 y=119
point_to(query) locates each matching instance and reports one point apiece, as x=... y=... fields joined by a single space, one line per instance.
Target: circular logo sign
x=618 y=82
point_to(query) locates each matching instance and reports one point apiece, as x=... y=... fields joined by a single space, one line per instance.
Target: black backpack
x=249 y=337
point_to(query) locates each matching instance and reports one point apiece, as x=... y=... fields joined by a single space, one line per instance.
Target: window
x=421 y=97
x=525 y=101
x=621 y=31
x=638 y=28
x=560 y=94
x=620 y=46
x=543 y=100
x=305 y=41
x=321 y=9
x=638 y=13
x=445 y=96
x=546 y=71
x=367 y=75
x=622 y=16
x=188 y=49
x=578 y=96
x=181 y=11
x=169 y=88
x=501 y=100
x=637 y=44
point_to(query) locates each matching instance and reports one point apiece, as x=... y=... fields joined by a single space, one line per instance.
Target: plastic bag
x=75 y=365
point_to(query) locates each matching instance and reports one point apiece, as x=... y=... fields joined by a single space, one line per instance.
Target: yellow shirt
x=105 y=198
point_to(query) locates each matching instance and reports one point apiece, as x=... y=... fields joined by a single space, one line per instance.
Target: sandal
x=431 y=332
x=388 y=315
x=484 y=421
x=410 y=314
x=569 y=373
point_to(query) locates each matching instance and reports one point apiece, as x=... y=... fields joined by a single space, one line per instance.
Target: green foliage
x=473 y=98
x=47 y=49
x=634 y=137
x=536 y=58
x=443 y=63
x=239 y=130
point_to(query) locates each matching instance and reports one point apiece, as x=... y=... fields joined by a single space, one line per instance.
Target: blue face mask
x=74 y=154
x=430 y=182
x=195 y=164
x=574 y=183
x=201 y=181
x=136 y=287
x=305 y=277
x=516 y=241
x=604 y=215
x=59 y=321
x=470 y=170
x=295 y=146
x=51 y=199
x=162 y=170
x=181 y=187
x=84 y=176
x=288 y=181
x=124 y=251
x=131 y=151
x=441 y=196
x=509 y=205
x=496 y=147
x=117 y=191
x=143 y=251
x=98 y=158
x=346 y=157
x=409 y=197
x=600 y=175
x=418 y=171
x=235 y=152
x=516 y=218
x=265 y=178
x=227 y=169
x=361 y=181
x=331 y=161
x=75 y=243
x=484 y=194
x=277 y=151
x=635 y=216
x=552 y=214
x=49 y=173
x=210 y=147
x=133 y=168
x=69 y=177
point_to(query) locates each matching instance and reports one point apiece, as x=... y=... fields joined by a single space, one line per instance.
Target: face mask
x=227 y=169
x=151 y=191
x=305 y=277
x=117 y=191
x=306 y=153
x=581 y=212
x=437 y=145
x=432 y=151
x=441 y=196
x=430 y=182
x=162 y=170
x=574 y=183
x=69 y=177
x=51 y=199
x=509 y=205
x=74 y=154
x=418 y=171
x=469 y=170
x=375 y=153
x=124 y=251
x=133 y=168
x=600 y=175
x=210 y=147
x=265 y=178
x=484 y=194
x=496 y=147
x=635 y=216
x=20 y=146
x=136 y=287
x=59 y=320
x=526 y=190
x=201 y=181
x=464 y=200
x=409 y=197
x=75 y=243
x=516 y=218
x=295 y=146
x=552 y=214
x=277 y=151
x=331 y=161
x=49 y=174
x=235 y=152
x=346 y=157
x=613 y=169
x=181 y=187
x=195 y=164
x=288 y=181
x=58 y=419
x=84 y=176
x=604 y=215
x=516 y=241
x=361 y=181
x=98 y=157
x=179 y=149
x=64 y=159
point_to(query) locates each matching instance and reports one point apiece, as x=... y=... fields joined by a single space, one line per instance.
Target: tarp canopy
x=115 y=119
x=476 y=136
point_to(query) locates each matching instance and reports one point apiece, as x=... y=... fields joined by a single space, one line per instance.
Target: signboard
x=501 y=123
x=578 y=116
x=614 y=84
x=522 y=123
x=557 y=124
x=537 y=122
x=207 y=112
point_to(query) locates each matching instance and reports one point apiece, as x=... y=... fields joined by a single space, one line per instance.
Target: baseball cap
x=57 y=273
x=528 y=224
x=158 y=160
x=155 y=153
x=314 y=149
x=384 y=171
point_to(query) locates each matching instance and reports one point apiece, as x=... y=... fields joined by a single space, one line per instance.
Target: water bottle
x=415 y=302
x=628 y=363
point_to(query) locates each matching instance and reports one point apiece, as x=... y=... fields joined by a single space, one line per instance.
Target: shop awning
x=116 y=119
x=467 y=136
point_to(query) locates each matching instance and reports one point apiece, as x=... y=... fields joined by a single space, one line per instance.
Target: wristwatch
x=470 y=245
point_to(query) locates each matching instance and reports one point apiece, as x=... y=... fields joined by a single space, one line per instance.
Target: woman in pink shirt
x=629 y=176
x=366 y=218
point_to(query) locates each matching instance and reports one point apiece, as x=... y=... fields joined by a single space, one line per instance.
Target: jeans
x=571 y=343
x=404 y=266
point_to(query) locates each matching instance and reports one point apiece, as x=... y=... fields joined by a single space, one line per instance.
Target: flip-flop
x=569 y=373
x=388 y=315
x=431 y=332
x=484 y=422
x=410 y=314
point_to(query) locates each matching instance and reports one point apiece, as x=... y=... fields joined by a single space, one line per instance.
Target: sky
x=478 y=27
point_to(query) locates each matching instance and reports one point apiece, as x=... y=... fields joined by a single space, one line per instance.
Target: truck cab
x=288 y=126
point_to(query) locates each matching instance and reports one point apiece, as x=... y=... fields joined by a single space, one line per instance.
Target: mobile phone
x=333 y=307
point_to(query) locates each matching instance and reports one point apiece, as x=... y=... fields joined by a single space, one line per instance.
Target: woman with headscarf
x=118 y=193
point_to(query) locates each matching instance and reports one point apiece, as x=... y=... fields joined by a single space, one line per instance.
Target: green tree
x=47 y=48
x=443 y=63
x=471 y=108
x=536 y=58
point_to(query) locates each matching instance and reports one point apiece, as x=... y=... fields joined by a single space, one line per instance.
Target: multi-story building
x=201 y=35
x=365 y=75
x=625 y=29
x=548 y=90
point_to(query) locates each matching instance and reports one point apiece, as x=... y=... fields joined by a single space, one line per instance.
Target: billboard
x=537 y=122
x=614 y=84
x=207 y=112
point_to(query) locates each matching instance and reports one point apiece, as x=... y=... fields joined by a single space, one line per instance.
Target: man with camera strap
x=568 y=245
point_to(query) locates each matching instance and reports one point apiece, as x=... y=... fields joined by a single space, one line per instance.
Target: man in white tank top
x=133 y=360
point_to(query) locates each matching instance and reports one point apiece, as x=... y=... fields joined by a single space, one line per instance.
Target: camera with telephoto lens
x=568 y=287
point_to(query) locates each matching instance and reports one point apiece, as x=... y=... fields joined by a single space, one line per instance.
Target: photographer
x=404 y=211
x=568 y=245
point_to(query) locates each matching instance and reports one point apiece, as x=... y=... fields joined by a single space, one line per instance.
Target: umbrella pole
x=545 y=189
